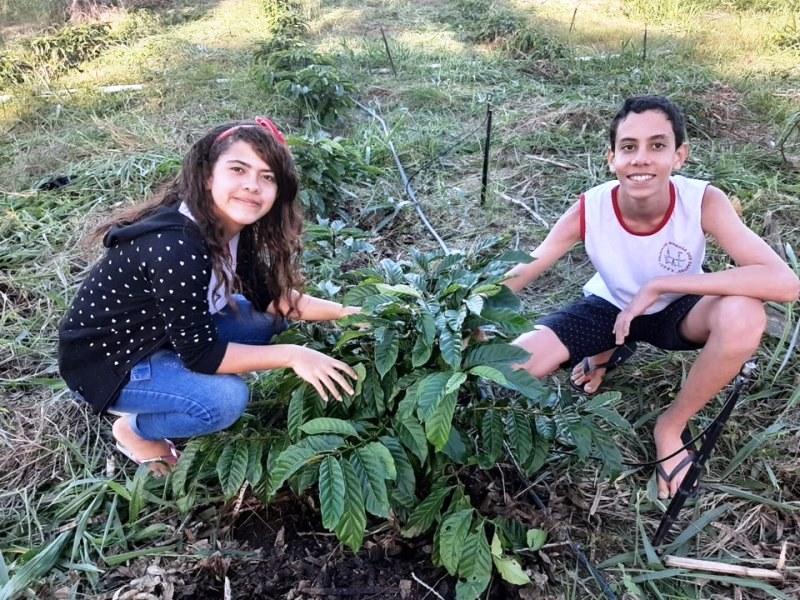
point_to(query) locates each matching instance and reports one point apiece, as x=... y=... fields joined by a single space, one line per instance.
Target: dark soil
x=285 y=553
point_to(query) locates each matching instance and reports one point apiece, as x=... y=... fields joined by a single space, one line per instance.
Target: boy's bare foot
x=588 y=377
x=143 y=451
x=668 y=440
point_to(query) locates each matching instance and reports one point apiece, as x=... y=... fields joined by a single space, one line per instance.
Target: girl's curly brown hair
x=269 y=249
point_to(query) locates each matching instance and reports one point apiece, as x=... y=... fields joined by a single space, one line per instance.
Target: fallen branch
x=426 y=586
x=549 y=161
x=694 y=564
x=533 y=213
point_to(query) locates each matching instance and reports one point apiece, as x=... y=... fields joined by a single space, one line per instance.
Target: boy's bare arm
x=759 y=272
x=563 y=236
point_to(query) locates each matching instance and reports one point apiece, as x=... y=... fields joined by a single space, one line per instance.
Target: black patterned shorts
x=586 y=327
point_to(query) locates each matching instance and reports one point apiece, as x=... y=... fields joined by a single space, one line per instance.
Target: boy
x=645 y=235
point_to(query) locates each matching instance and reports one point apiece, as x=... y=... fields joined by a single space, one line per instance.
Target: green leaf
x=426 y=334
x=382 y=454
x=455 y=382
x=475 y=566
x=349 y=336
x=653 y=561
x=503 y=299
x=427 y=512
x=36 y=567
x=539 y=455
x=608 y=450
x=357 y=295
x=492 y=436
x=331 y=492
x=290 y=460
x=412 y=435
x=375 y=404
x=455 y=449
x=404 y=489
x=232 y=467
x=581 y=435
x=350 y=528
x=474 y=304
x=295 y=417
x=450 y=346
x=329 y=425
x=185 y=466
x=518 y=432
x=399 y=289
x=497 y=545
x=421 y=352
x=602 y=400
x=430 y=392
x=490 y=374
x=536 y=538
x=373 y=485
x=452 y=534
x=510 y=570
x=437 y=427
x=387 y=347
x=255 y=467
x=494 y=355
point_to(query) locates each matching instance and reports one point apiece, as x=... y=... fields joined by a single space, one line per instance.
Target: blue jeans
x=168 y=400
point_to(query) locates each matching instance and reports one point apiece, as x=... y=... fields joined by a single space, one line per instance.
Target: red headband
x=262 y=122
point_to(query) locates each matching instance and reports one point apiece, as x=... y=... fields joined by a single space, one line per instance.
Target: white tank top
x=625 y=260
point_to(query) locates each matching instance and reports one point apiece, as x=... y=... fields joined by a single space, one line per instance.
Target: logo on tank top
x=674 y=258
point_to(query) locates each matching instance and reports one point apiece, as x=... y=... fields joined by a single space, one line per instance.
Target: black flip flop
x=619 y=356
x=685 y=462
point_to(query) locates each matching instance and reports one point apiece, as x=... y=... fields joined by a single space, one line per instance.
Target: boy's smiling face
x=644 y=155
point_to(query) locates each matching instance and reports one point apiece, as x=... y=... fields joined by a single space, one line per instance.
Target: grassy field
x=71 y=513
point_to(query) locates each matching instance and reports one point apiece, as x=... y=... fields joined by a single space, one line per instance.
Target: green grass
x=737 y=83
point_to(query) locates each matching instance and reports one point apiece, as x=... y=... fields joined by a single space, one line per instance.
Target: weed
x=788 y=38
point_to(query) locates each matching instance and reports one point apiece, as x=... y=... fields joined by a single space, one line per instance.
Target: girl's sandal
x=170 y=459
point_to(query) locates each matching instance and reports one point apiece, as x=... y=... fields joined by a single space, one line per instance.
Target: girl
x=156 y=333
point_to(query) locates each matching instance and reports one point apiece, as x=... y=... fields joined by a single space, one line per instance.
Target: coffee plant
x=326 y=164
x=431 y=405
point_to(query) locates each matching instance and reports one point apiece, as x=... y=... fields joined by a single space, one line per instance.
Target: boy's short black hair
x=640 y=104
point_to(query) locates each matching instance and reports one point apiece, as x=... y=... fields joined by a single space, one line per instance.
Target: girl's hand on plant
x=326 y=374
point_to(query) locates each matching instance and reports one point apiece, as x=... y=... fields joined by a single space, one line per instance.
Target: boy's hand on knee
x=643 y=300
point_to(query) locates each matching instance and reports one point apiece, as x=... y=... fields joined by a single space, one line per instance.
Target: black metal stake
x=388 y=53
x=572 y=23
x=485 y=176
x=644 y=44
x=743 y=379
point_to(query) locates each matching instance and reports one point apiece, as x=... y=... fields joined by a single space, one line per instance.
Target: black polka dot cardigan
x=148 y=292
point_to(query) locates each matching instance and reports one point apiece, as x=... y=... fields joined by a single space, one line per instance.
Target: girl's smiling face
x=644 y=154
x=243 y=187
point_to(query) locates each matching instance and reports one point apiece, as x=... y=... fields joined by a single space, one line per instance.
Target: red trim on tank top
x=583 y=216
x=659 y=227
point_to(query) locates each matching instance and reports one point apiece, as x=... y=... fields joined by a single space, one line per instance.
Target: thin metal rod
x=485 y=175
x=388 y=52
x=743 y=379
x=644 y=44
x=406 y=183
x=572 y=23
